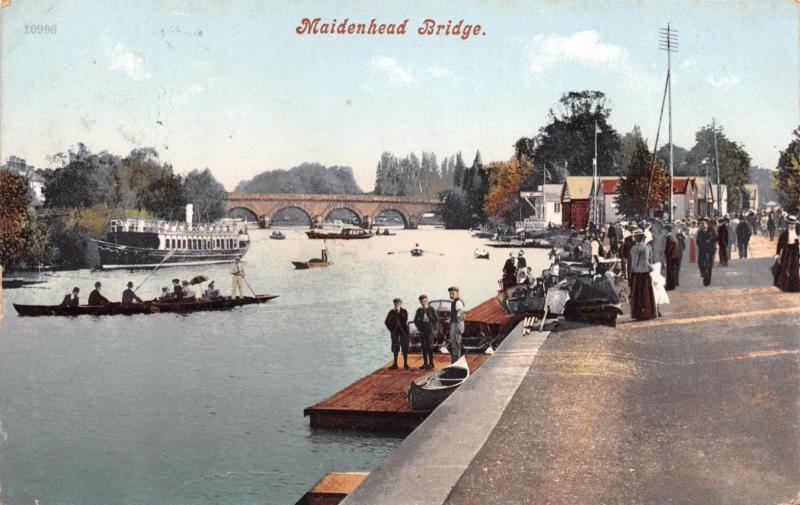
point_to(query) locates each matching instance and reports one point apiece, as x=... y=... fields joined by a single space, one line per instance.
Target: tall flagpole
x=669 y=43
x=716 y=163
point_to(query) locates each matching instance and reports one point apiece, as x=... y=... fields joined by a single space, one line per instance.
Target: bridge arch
x=392 y=210
x=275 y=218
x=340 y=212
x=242 y=212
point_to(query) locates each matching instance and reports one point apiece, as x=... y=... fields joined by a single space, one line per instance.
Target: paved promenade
x=701 y=406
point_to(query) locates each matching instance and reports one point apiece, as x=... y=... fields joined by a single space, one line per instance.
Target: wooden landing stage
x=332 y=488
x=379 y=402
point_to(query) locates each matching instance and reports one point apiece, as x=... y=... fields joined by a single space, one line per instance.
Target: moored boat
x=12 y=283
x=312 y=263
x=277 y=235
x=481 y=254
x=148 y=307
x=427 y=392
x=343 y=234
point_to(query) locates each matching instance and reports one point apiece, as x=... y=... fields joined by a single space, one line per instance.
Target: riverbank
x=699 y=406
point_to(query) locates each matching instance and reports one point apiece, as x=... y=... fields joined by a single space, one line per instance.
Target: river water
x=208 y=408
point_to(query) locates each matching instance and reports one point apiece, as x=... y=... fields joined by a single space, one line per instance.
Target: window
x=556 y=207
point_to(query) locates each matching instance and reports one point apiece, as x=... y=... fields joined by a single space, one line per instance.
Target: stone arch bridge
x=318 y=207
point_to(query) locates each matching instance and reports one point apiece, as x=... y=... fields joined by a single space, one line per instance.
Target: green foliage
x=164 y=197
x=645 y=188
x=206 y=193
x=456 y=211
x=566 y=143
x=39 y=249
x=312 y=178
x=411 y=177
x=14 y=231
x=787 y=176
x=680 y=165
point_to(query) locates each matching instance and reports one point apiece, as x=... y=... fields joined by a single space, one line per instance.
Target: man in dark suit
x=397 y=324
x=95 y=298
x=71 y=300
x=426 y=320
x=129 y=295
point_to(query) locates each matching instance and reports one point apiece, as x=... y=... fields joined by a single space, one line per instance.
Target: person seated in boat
x=211 y=293
x=165 y=294
x=95 y=298
x=129 y=296
x=177 y=290
x=188 y=292
x=71 y=299
x=527 y=277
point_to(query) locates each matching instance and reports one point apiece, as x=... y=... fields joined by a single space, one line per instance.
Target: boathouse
x=575 y=194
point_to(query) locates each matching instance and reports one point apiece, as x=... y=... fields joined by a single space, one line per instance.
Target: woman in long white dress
x=659 y=287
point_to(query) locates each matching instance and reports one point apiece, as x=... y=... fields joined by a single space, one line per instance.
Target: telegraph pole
x=716 y=163
x=669 y=42
x=595 y=212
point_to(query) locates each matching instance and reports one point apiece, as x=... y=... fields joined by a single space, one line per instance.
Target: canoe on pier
x=427 y=392
x=149 y=307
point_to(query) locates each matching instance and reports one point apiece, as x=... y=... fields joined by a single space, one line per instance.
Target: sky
x=232 y=86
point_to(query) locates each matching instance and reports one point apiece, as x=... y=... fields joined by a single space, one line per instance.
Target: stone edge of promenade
x=427 y=465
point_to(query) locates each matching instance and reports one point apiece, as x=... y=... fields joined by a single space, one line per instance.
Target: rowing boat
x=427 y=392
x=149 y=307
x=313 y=263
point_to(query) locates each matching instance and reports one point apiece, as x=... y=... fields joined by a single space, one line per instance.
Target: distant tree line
x=311 y=178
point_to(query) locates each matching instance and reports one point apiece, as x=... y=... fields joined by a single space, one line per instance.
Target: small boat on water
x=18 y=282
x=148 y=307
x=277 y=235
x=342 y=234
x=416 y=251
x=312 y=263
x=481 y=254
x=427 y=392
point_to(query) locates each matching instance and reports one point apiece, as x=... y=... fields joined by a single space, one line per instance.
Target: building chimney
x=189 y=212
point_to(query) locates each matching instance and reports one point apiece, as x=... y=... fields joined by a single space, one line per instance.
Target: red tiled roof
x=609 y=186
x=679 y=184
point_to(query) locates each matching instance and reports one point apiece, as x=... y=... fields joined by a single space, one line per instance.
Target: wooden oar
x=167 y=256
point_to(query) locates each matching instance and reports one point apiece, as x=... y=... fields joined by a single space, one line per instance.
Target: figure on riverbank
x=732 y=236
x=660 y=294
x=95 y=298
x=625 y=252
x=237 y=280
x=771 y=225
x=456 y=324
x=672 y=253
x=426 y=320
x=397 y=323
x=129 y=296
x=509 y=272
x=743 y=233
x=522 y=264
x=788 y=257
x=680 y=235
x=706 y=245
x=692 y=241
x=71 y=299
x=723 y=240
x=642 y=297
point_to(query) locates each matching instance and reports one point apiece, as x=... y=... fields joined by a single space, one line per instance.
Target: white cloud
x=127 y=62
x=396 y=73
x=724 y=82
x=584 y=48
x=439 y=72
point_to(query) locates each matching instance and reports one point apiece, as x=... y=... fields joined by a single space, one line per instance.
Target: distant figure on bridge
x=71 y=299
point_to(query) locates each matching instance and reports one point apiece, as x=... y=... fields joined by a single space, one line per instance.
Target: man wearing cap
x=426 y=320
x=456 y=324
x=95 y=298
x=788 y=257
x=743 y=233
x=723 y=239
x=672 y=255
x=177 y=290
x=706 y=247
x=129 y=296
x=71 y=299
x=397 y=324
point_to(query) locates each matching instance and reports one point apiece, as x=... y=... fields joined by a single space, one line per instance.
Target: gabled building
x=575 y=195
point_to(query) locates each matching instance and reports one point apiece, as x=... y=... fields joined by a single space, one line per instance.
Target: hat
x=791 y=219
x=422 y=297
x=76 y=289
x=397 y=300
x=97 y=284
x=176 y=280
x=638 y=231
x=210 y=283
x=165 y=288
x=130 y=284
x=185 y=283
x=452 y=288
x=521 y=252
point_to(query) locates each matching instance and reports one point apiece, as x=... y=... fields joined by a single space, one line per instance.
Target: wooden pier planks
x=379 y=401
x=332 y=488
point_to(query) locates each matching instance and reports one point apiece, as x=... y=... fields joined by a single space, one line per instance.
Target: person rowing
x=71 y=299
x=129 y=296
x=95 y=298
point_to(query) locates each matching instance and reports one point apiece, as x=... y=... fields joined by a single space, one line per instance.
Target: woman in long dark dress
x=788 y=256
x=642 y=298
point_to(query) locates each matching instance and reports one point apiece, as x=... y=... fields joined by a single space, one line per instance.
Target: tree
x=13 y=225
x=456 y=209
x=645 y=187
x=680 y=166
x=627 y=148
x=477 y=186
x=458 y=172
x=164 y=197
x=206 y=194
x=505 y=180
x=313 y=178
x=568 y=139
x=787 y=176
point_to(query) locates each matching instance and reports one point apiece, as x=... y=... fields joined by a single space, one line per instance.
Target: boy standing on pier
x=456 y=324
x=426 y=320
x=397 y=324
